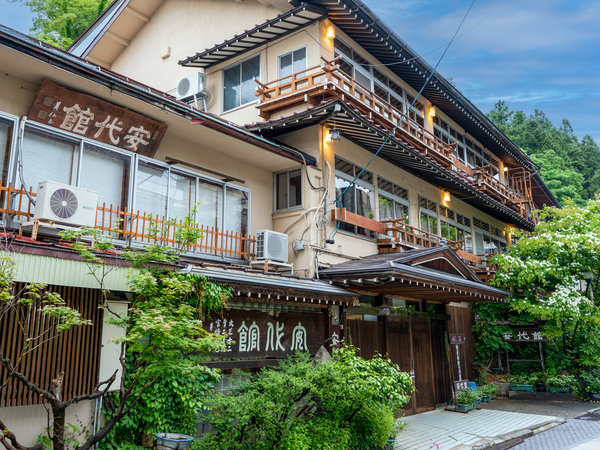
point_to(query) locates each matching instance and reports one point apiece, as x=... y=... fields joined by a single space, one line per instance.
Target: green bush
x=488 y=389
x=346 y=402
x=562 y=381
x=591 y=380
x=466 y=396
x=523 y=379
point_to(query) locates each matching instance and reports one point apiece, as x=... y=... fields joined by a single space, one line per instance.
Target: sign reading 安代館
x=96 y=119
x=524 y=335
x=256 y=334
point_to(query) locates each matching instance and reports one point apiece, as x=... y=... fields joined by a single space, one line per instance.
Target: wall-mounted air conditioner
x=192 y=87
x=62 y=203
x=272 y=246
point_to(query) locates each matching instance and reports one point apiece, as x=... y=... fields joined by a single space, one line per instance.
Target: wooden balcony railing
x=395 y=235
x=327 y=81
x=131 y=227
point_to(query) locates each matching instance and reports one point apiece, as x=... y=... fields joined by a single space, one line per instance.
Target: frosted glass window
x=236 y=211
x=48 y=159
x=151 y=190
x=5 y=140
x=292 y=62
x=209 y=204
x=238 y=83
x=182 y=196
x=107 y=173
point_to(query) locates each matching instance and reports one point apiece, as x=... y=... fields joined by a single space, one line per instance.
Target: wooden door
x=367 y=336
x=423 y=364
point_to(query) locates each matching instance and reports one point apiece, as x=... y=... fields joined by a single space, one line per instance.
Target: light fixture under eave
x=432 y=112
x=334 y=133
x=446 y=197
x=330 y=32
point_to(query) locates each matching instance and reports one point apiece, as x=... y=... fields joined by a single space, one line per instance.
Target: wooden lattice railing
x=327 y=81
x=131 y=227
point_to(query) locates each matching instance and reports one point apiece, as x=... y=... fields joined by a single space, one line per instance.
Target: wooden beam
x=354 y=219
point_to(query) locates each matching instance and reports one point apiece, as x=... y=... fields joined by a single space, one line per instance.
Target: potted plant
x=591 y=381
x=561 y=383
x=541 y=379
x=522 y=382
x=488 y=391
x=465 y=399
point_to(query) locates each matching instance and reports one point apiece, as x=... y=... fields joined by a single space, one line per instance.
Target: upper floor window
x=126 y=181
x=358 y=198
x=292 y=62
x=393 y=200
x=288 y=189
x=6 y=132
x=456 y=227
x=488 y=238
x=428 y=215
x=238 y=83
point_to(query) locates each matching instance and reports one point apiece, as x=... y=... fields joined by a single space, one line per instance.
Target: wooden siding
x=76 y=352
x=461 y=322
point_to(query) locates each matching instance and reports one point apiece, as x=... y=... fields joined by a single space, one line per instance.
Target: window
x=456 y=227
x=48 y=158
x=292 y=62
x=6 y=131
x=288 y=189
x=238 y=83
x=488 y=238
x=393 y=200
x=107 y=173
x=359 y=197
x=428 y=215
x=152 y=189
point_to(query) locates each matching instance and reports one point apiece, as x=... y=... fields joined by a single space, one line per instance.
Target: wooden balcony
x=327 y=81
x=397 y=236
x=138 y=228
x=393 y=235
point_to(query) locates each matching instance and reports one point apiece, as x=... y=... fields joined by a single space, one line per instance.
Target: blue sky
x=534 y=54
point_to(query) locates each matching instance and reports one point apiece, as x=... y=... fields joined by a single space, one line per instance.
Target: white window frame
x=239 y=63
x=428 y=212
x=292 y=53
x=134 y=160
x=392 y=197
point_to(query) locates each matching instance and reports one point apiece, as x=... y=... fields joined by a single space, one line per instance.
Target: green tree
x=163 y=335
x=570 y=168
x=60 y=22
x=544 y=272
x=344 y=402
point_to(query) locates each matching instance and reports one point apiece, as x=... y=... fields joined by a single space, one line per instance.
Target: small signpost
x=460 y=384
x=457 y=339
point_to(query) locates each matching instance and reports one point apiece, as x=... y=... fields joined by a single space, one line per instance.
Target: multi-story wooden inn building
x=280 y=106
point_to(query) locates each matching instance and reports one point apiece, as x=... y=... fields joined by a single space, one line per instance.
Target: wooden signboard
x=256 y=334
x=96 y=119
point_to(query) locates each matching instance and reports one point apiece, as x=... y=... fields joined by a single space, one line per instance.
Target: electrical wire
x=336 y=201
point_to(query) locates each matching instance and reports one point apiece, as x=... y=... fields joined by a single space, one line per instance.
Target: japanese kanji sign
x=524 y=335
x=456 y=338
x=258 y=334
x=96 y=119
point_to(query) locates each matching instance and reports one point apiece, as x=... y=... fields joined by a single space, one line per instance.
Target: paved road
x=541 y=406
x=572 y=433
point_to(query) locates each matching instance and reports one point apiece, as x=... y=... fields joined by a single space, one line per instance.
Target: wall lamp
x=333 y=134
x=330 y=32
x=446 y=197
x=431 y=112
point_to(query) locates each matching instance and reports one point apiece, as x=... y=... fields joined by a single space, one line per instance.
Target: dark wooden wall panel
x=76 y=352
x=461 y=322
x=367 y=336
x=441 y=370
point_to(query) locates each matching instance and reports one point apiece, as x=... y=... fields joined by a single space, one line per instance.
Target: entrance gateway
x=410 y=303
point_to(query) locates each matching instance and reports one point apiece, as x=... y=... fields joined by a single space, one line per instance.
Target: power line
x=336 y=201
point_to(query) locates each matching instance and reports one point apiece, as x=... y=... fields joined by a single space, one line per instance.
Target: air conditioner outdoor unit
x=272 y=246
x=193 y=85
x=65 y=204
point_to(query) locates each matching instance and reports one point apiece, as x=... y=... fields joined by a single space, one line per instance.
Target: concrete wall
x=29 y=422
x=184 y=28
